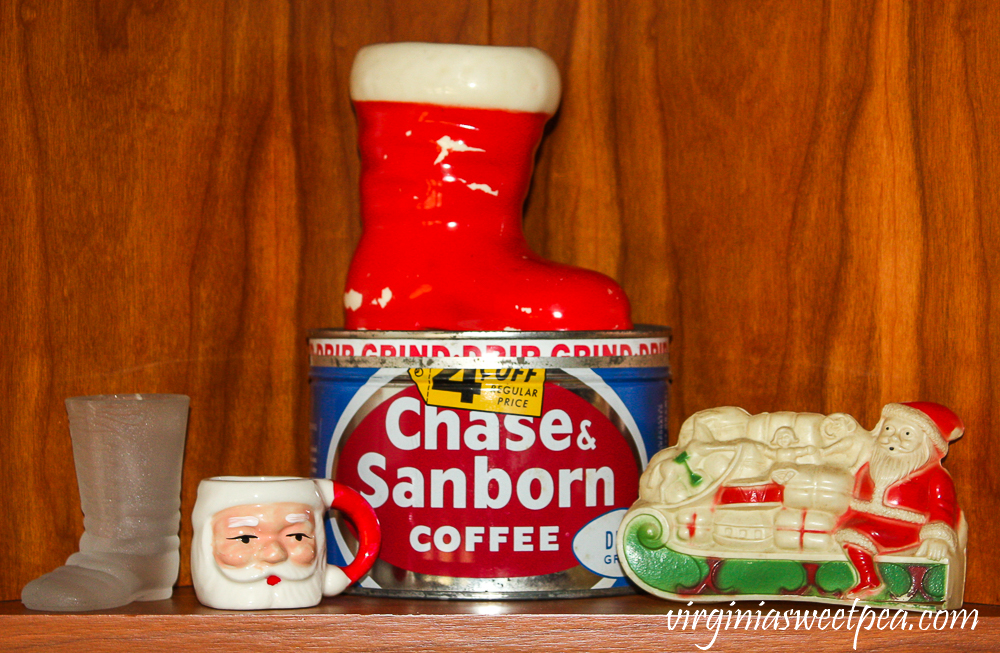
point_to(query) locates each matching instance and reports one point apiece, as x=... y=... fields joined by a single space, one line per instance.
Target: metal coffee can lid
x=500 y=464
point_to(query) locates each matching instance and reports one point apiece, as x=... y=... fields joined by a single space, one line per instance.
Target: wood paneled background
x=807 y=192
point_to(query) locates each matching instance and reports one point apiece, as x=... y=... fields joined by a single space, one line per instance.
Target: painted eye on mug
x=298 y=536
x=243 y=538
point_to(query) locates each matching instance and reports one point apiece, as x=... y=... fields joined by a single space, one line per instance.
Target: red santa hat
x=937 y=422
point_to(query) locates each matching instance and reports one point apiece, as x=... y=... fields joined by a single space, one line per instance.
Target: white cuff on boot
x=476 y=76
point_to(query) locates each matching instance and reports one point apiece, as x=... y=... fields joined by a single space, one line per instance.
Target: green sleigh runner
x=800 y=506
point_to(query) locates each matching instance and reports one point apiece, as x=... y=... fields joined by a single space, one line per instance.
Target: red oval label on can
x=475 y=494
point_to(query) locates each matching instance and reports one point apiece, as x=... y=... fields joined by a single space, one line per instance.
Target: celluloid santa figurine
x=804 y=507
x=903 y=497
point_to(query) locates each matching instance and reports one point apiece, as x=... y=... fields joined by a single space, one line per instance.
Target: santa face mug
x=259 y=541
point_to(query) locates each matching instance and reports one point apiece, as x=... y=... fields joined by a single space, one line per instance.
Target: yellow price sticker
x=512 y=391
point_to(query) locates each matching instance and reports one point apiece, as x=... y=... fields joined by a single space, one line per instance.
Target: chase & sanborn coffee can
x=500 y=464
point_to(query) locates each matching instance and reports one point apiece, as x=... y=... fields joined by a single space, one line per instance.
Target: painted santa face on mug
x=273 y=540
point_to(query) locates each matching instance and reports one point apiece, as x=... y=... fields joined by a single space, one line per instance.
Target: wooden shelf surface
x=353 y=623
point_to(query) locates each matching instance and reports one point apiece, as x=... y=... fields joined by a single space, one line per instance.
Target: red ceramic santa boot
x=447 y=137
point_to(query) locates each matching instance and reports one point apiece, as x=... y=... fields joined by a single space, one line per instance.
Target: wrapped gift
x=804 y=530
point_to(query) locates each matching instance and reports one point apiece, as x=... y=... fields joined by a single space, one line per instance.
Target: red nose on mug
x=260 y=541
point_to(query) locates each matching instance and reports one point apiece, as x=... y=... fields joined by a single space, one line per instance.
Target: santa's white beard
x=301 y=586
x=887 y=467
x=286 y=570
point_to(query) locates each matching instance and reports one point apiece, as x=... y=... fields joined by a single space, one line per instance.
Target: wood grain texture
x=806 y=192
x=628 y=623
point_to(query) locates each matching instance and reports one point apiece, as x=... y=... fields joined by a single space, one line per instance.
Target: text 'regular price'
x=510 y=391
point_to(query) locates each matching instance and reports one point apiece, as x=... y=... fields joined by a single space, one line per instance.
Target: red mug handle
x=360 y=513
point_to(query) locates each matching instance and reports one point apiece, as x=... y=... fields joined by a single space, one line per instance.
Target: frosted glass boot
x=128 y=451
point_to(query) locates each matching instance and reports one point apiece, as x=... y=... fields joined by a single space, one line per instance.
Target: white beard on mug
x=300 y=584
